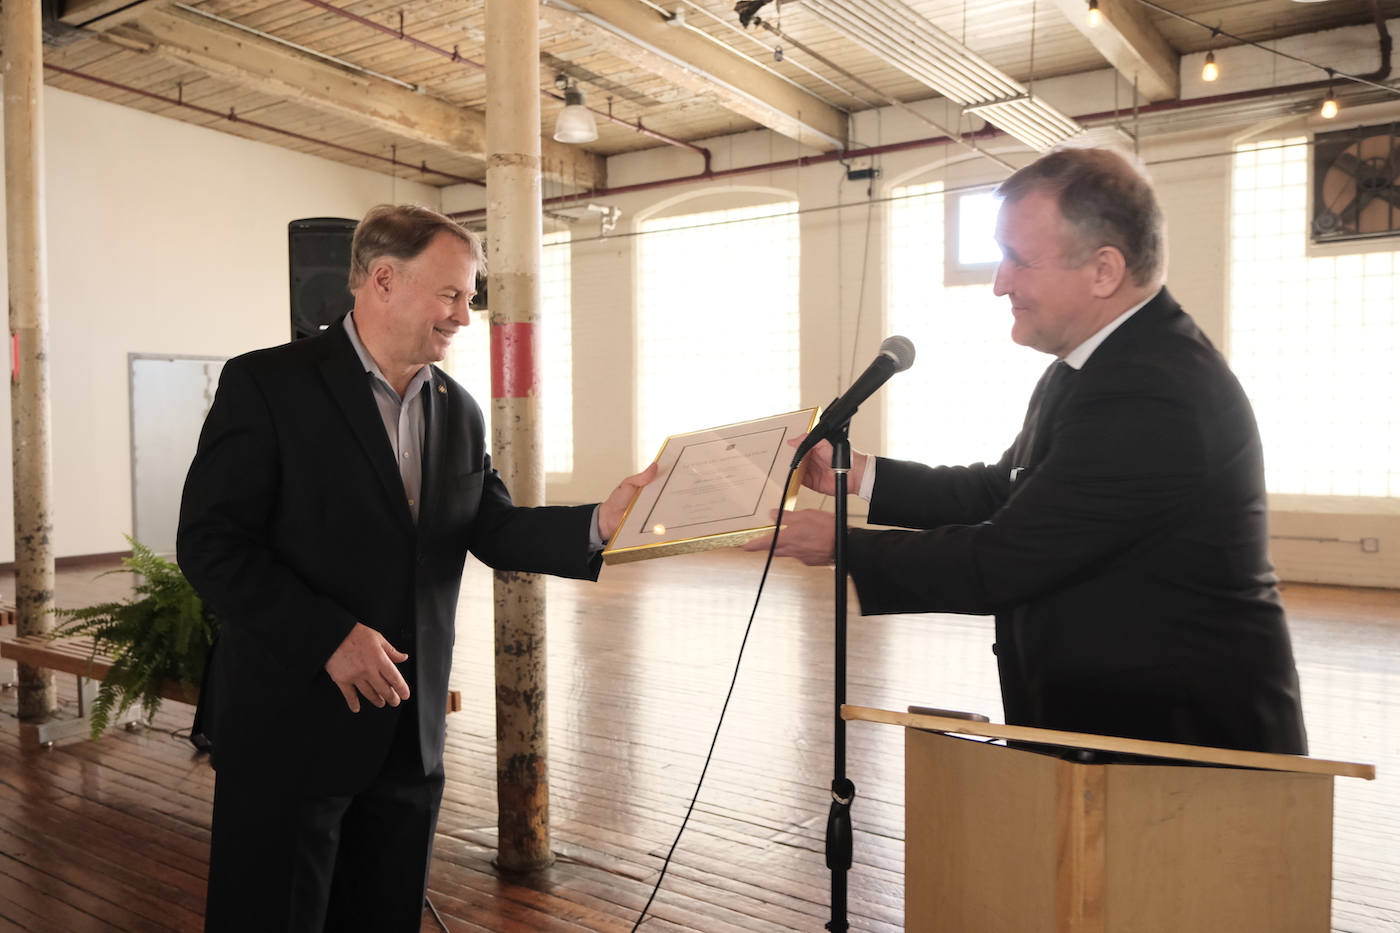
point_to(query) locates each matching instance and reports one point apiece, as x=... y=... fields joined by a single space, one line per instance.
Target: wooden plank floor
x=113 y=835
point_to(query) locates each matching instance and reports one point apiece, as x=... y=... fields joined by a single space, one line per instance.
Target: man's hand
x=365 y=662
x=611 y=512
x=808 y=535
x=818 y=473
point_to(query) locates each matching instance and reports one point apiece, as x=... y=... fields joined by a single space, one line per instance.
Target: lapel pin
x=442 y=389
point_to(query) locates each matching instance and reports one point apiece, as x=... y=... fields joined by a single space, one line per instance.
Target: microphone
x=896 y=355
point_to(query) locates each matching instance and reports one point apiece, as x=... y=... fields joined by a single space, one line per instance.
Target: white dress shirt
x=402 y=415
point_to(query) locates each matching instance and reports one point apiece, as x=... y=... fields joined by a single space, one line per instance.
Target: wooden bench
x=75 y=656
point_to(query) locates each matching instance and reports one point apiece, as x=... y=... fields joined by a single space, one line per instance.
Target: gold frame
x=612 y=554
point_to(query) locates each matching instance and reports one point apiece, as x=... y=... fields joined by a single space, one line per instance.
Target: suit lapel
x=349 y=384
x=1034 y=437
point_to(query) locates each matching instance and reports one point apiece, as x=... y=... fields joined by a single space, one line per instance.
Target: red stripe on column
x=513 y=373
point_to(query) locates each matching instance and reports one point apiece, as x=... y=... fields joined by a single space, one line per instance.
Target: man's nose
x=1000 y=280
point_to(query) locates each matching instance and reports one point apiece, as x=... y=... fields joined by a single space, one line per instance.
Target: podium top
x=1108 y=743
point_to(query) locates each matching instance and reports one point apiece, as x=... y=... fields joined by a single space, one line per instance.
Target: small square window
x=971 y=254
x=977 y=224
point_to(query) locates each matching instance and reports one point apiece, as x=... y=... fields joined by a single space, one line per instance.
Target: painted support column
x=513 y=231
x=29 y=384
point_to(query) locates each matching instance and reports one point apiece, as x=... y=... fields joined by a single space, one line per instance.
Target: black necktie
x=1036 y=434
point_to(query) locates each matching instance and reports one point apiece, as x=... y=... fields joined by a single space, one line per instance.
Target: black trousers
x=282 y=862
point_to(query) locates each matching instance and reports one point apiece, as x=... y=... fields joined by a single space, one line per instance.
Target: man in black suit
x=1122 y=540
x=338 y=484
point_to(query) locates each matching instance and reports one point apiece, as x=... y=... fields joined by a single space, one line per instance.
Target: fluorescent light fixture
x=906 y=39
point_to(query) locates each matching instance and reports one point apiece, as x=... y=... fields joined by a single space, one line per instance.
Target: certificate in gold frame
x=714 y=489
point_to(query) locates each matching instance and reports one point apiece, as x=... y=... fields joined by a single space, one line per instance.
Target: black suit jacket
x=295 y=526
x=1133 y=549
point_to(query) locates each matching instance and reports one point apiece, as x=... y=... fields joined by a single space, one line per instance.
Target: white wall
x=163 y=238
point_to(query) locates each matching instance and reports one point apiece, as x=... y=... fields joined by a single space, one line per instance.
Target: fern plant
x=161 y=636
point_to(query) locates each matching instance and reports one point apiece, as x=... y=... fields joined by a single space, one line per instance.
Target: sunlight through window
x=1313 y=339
x=717 y=320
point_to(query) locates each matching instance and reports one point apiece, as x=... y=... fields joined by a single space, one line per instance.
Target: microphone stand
x=838 y=821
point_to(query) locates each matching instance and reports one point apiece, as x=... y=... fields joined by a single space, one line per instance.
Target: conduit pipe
x=987 y=132
x=235 y=118
x=1380 y=74
x=457 y=57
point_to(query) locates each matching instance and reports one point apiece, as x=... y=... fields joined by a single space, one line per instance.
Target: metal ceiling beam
x=1131 y=44
x=637 y=33
x=278 y=71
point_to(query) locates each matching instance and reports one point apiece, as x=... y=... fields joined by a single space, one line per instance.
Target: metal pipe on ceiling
x=457 y=57
x=234 y=117
x=988 y=132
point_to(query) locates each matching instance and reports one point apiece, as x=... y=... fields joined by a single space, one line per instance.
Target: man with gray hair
x=338 y=485
x=1122 y=540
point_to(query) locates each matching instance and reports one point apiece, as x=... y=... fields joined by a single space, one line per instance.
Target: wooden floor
x=113 y=835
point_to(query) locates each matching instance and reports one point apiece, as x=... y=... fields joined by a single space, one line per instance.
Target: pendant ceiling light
x=575 y=123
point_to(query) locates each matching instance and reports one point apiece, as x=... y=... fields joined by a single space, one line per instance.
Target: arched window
x=717 y=320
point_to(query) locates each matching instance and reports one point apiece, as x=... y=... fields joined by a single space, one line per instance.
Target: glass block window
x=717 y=320
x=1313 y=339
x=469 y=360
x=965 y=397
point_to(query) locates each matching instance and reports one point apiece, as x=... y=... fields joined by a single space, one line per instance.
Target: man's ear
x=383 y=277
x=1110 y=271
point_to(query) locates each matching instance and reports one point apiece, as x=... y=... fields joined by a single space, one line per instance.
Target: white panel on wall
x=170 y=397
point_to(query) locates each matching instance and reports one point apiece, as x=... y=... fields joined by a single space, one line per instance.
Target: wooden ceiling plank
x=1131 y=44
x=702 y=67
x=101 y=15
x=281 y=72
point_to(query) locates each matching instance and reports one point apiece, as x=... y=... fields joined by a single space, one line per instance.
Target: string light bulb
x=1329 y=106
x=1095 y=17
x=1211 y=70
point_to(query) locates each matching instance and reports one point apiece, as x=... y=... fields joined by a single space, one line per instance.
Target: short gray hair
x=403 y=232
x=1106 y=197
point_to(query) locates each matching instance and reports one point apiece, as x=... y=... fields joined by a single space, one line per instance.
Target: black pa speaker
x=319 y=253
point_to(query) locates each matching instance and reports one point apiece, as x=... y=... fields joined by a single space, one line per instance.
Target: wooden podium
x=1209 y=840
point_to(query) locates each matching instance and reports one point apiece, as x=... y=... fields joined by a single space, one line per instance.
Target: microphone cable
x=738 y=662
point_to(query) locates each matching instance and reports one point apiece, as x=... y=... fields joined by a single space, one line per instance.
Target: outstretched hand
x=611 y=512
x=817 y=474
x=808 y=535
x=365 y=662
